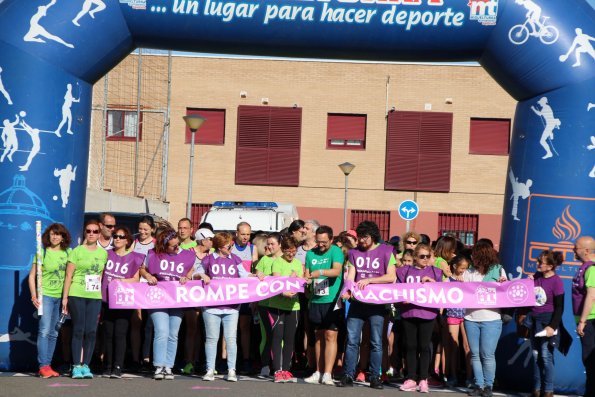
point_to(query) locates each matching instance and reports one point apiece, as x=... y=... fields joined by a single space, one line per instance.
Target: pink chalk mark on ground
x=67 y=385
x=209 y=388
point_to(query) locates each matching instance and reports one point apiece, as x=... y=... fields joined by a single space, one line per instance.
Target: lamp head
x=194 y=121
x=346 y=168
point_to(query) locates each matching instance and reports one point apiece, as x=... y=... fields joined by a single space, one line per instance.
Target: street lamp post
x=346 y=168
x=193 y=122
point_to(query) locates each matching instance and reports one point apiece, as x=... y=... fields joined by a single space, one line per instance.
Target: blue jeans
x=230 y=330
x=166 y=323
x=543 y=365
x=483 y=339
x=358 y=314
x=47 y=334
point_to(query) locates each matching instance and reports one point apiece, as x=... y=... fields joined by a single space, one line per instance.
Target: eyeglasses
x=228 y=246
x=323 y=242
x=119 y=236
x=424 y=256
x=109 y=226
x=413 y=242
x=290 y=251
x=92 y=231
x=363 y=237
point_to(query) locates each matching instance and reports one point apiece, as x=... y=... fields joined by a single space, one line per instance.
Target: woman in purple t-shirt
x=167 y=262
x=418 y=322
x=121 y=266
x=544 y=320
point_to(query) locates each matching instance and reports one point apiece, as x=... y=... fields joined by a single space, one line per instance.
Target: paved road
x=27 y=385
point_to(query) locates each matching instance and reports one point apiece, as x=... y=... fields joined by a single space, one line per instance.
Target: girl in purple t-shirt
x=167 y=262
x=121 y=266
x=418 y=322
x=544 y=320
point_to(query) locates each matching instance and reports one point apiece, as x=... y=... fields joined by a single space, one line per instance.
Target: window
x=346 y=131
x=121 y=125
x=381 y=218
x=462 y=226
x=489 y=136
x=418 y=149
x=212 y=131
x=268 y=146
x=196 y=213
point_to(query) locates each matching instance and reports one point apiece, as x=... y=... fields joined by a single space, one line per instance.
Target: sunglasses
x=411 y=242
x=109 y=226
x=92 y=231
x=119 y=236
x=424 y=256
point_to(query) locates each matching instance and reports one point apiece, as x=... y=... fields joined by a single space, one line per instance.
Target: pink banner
x=468 y=295
x=170 y=294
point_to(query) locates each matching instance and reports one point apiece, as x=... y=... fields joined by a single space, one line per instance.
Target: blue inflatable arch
x=540 y=51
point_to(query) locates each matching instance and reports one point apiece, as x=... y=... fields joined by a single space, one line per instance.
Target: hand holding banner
x=170 y=294
x=442 y=295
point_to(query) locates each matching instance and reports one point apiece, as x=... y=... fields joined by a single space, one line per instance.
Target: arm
x=70 y=267
x=333 y=272
x=148 y=276
x=389 y=278
x=134 y=279
x=557 y=316
x=32 y=285
x=580 y=329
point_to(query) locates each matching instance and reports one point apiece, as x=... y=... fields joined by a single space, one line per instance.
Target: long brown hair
x=484 y=257
x=163 y=238
x=57 y=228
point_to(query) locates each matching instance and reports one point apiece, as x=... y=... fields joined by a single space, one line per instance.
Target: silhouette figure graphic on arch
x=549 y=123
x=34 y=134
x=36 y=30
x=9 y=138
x=580 y=45
x=3 y=90
x=66 y=111
x=519 y=190
x=65 y=177
x=100 y=6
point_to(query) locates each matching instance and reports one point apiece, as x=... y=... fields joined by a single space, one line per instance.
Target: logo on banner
x=554 y=223
x=124 y=296
x=517 y=292
x=155 y=294
x=486 y=296
x=483 y=11
x=135 y=4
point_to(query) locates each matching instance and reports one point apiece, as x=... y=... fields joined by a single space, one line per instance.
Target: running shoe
x=54 y=373
x=289 y=377
x=409 y=385
x=77 y=372
x=475 y=391
x=159 y=374
x=279 y=377
x=231 y=375
x=168 y=374
x=116 y=373
x=346 y=381
x=265 y=372
x=107 y=372
x=313 y=379
x=209 y=376
x=361 y=377
x=487 y=392
x=45 y=372
x=327 y=379
x=423 y=386
x=376 y=383
x=86 y=371
x=188 y=369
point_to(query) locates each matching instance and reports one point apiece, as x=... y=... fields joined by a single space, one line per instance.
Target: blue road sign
x=408 y=210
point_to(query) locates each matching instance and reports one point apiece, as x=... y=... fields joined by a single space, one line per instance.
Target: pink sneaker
x=409 y=385
x=423 y=386
x=361 y=377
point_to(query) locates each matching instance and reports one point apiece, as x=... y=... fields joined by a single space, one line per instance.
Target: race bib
x=92 y=283
x=321 y=287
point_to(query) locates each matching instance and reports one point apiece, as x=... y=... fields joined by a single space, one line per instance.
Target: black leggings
x=418 y=335
x=115 y=329
x=265 y=320
x=85 y=315
x=284 y=326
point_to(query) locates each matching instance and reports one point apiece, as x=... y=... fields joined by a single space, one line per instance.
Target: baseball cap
x=352 y=233
x=202 y=234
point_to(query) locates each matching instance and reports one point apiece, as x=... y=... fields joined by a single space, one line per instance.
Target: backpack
x=578 y=288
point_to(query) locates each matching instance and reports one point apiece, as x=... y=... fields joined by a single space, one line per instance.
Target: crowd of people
x=323 y=334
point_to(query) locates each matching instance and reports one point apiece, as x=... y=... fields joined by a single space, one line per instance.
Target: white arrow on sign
x=408 y=211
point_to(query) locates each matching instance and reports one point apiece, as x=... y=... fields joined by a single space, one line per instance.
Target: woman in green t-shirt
x=265 y=268
x=285 y=311
x=82 y=297
x=55 y=240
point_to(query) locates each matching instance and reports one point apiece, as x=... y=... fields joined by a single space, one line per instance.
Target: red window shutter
x=212 y=132
x=346 y=127
x=402 y=151
x=418 y=151
x=268 y=146
x=489 y=136
x=435 y=152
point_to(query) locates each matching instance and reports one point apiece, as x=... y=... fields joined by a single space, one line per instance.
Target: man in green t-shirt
x=584 y=250
x=185 y=231
x=324 y=270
